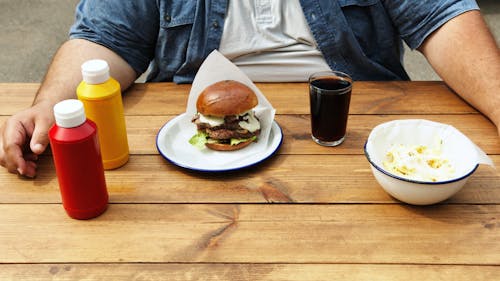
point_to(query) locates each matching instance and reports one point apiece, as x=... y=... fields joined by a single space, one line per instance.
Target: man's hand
x=23 y=137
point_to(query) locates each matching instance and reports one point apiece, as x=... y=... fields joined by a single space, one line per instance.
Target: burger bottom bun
x=228 y=147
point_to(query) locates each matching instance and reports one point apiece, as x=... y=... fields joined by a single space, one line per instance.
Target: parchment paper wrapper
x=457 y=147
x=216 y=68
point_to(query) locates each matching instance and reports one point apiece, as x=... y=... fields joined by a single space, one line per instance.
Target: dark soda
x=329 y=102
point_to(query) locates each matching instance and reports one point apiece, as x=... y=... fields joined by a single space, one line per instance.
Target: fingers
x=40 y=137
x=13 y=139
x=23 y=137
x=30 y=167
x=14 y=135
x=2 y=153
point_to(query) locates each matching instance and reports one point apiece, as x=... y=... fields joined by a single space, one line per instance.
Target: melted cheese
x=212 y=120
x=251 y=123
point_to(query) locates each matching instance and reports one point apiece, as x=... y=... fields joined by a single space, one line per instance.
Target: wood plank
x=15 y=97
x=297 y=139
x=142 y=132
x=399 y=97
x=261 y=233
x=236 y=272
x=156 y=99
x=406 y=97
x=284 y=178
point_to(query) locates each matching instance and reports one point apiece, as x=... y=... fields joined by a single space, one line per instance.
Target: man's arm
x=64 y=73
x=465 y=55
x=25 y=135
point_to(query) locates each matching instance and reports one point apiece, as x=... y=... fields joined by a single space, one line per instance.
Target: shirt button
x=215 y=24
x=167 y=18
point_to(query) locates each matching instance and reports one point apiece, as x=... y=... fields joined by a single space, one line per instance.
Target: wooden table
x=308 y=213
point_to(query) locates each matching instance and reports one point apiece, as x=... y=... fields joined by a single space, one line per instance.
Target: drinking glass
x=329 y=96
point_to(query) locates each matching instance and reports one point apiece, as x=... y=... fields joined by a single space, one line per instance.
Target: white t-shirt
x=270 y=41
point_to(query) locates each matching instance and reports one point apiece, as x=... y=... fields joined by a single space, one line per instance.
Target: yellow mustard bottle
x=102 y=100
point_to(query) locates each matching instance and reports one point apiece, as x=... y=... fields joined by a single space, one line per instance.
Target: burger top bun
x=227 y=97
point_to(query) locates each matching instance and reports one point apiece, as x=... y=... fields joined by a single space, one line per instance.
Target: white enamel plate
x=173 y=144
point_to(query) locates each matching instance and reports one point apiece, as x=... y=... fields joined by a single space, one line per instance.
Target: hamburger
x=225 y=119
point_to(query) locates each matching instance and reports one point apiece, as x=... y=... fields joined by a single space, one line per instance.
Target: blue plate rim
x=270 y=152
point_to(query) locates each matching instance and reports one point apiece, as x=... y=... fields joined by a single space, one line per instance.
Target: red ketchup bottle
x=78 y=161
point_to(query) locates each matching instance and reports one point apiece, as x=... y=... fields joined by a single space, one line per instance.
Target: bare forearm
x=31 y=126
x=64 y=73
x=464 y=53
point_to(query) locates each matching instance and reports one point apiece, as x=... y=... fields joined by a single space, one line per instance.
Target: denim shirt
x=361 y=37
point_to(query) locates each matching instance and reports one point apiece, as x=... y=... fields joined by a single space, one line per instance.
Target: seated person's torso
x=270 y=41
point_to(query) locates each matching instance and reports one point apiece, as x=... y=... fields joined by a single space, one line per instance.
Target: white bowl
x=462 y=153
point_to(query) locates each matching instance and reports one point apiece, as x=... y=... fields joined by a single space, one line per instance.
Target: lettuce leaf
x=237 y=141
x=199 y=140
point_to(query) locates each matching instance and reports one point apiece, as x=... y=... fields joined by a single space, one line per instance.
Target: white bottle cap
x=69 y=113
x=95 y=71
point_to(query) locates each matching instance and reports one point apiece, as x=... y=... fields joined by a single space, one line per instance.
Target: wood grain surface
x=307 y=213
